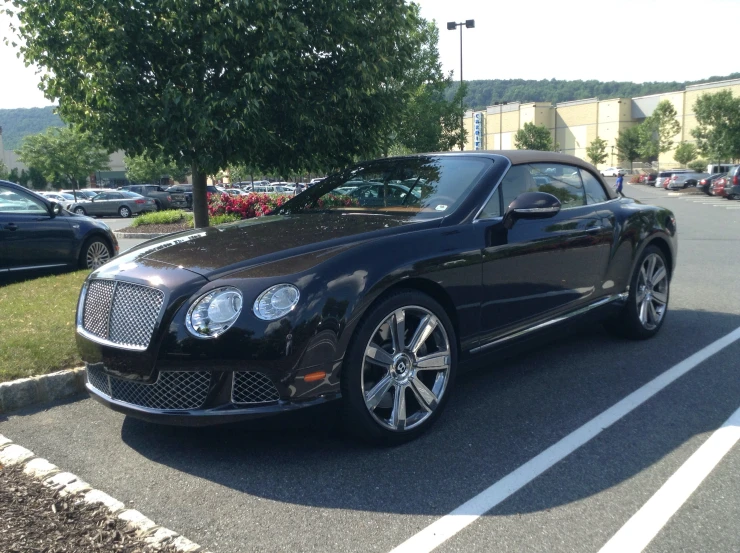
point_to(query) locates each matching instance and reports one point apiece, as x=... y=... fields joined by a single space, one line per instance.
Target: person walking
x=620 y=182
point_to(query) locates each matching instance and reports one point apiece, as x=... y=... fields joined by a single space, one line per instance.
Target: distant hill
x=486 y=93
x=17 y=123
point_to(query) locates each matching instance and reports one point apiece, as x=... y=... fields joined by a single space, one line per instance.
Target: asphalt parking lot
x=298 y=484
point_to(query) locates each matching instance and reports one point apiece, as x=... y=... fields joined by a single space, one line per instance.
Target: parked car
x=163 y=199
x=660 y=179
x=36 y=233
x=679 y=181
x=82 y=194
x=377 y=306
x=612 y=172
x=732 y=187
x=120 y=203
x=705 y=184
x=62 y=198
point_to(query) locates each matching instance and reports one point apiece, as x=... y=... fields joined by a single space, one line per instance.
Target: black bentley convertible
x=377 y=299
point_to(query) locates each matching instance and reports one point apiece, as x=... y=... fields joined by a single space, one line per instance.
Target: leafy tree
x=276 y=84
x=63 y=154
x=533 y=137
x=14 y=176
x=685 y=153
x=658 y=130
x=718 y=131
x=148 y=168
x=596 y=151
x=629 y=144
x=3 y=170
x=699 y=165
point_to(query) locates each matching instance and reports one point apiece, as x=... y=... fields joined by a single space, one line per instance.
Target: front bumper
x=217 y=405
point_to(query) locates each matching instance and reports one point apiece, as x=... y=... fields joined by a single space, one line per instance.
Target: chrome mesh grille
x=121 y=312
x=172 y=390
x=97 y=307
x=252 y=387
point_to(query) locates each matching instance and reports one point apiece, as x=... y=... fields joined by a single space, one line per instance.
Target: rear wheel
x=399 y=370
x=157 y=205
x=124 y=211
x=647 y=303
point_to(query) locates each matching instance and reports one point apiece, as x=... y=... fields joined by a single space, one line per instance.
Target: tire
x=157 y=205
x=407 y=397
x=124 y=211
x=633 y=322
x=95 y=252
x=80 y=211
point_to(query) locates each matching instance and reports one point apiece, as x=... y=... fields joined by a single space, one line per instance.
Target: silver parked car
x=684 y=180
x=119 y=203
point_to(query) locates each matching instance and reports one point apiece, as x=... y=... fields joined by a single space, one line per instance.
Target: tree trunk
x=200 y=202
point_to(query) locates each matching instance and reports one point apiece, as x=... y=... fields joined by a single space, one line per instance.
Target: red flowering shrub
x=246 y=207
x=257 y=205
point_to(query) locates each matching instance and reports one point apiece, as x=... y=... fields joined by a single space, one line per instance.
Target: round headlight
x=213 y=313
x=275 y=302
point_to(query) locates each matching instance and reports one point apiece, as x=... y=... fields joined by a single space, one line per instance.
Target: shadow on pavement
x=496 y=420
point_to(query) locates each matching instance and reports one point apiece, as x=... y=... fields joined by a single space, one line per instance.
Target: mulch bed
x=33 y=519
x=167 y=228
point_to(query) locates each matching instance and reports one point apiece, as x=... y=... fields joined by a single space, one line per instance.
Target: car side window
x=102 y=196
x=562 y=181
x=493 y=206
x=115 y=196
x=595 y=193
x=15 y=202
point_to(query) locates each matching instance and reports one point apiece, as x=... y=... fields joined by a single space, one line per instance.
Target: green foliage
x=166 y=217
x=148 y=168
x=596 y=151
x=14 y=176
x=628 y=144
x=485 y=92
x=272 y=84
x=685 y=153
x=3 y=171
x=718 y=131
x=699 y=165
x=225 y=218
x=64 y=154
x=533 y=137
x=21 y=122
x=657 y=131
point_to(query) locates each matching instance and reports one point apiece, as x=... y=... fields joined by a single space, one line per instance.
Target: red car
x=719 y=187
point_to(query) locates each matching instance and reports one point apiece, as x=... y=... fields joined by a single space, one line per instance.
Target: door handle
x=11 y=226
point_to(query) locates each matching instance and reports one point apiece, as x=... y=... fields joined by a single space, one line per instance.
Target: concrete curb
x=41 y=389
x=69 y=485
x=139 y=235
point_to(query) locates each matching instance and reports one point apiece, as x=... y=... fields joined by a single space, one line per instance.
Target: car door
x=541 y=267
x=30 y=236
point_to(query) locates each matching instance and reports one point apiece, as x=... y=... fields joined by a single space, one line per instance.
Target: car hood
x=214 y=252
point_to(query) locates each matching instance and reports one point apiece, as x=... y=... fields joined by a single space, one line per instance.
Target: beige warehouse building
x=574 y=125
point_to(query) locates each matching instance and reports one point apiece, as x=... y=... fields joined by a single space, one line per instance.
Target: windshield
x=424 y=187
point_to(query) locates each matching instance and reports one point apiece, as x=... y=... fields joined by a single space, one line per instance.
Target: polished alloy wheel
x=97 y=255
x=406 y=368
x=652 y=291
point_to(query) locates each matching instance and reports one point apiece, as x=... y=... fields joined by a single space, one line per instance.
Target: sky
x=624 y=40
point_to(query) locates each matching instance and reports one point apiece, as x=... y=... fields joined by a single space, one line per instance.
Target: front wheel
x=124 y=212
x=647 y=303
x=95 y=253
x=80 y=210
x=399 y=370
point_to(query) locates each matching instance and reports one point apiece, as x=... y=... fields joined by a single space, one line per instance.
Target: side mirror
x=55 y=209
x=531 y=205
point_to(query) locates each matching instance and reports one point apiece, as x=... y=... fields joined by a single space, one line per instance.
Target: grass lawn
x=37 y=326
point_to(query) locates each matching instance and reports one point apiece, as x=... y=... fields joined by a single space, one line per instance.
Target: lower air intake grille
x=172 y=390
x=251 y=387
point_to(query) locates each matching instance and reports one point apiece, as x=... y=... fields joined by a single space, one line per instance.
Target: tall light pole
x=451 y=26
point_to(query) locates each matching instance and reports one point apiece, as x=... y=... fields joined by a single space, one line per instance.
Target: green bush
x=162 y=218
x=698 y=165
x=225 y=218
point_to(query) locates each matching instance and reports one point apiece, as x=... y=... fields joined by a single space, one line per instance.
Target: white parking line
x=444 y=528
x=645 y=524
